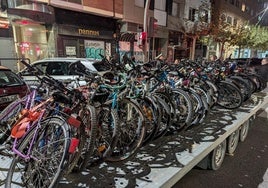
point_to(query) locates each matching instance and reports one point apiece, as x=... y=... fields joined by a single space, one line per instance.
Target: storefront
x=81 y=35
x=178 y=46
x=30 y=29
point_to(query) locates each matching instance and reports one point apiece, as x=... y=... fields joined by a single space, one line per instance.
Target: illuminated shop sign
x=88 y=32
x=84 y=32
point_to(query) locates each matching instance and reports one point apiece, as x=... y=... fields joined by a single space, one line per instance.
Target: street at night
x=133 y=93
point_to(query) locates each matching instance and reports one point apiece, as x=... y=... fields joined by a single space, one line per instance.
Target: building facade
x=63 y=28
x=87 y=28
x=173 y=34
x=238 y=13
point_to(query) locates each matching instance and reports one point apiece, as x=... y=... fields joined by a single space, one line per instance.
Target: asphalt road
x=248 y=167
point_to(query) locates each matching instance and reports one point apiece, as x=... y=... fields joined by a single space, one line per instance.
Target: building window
x=237 y=3
x=252 y=12
x=229 y=19
x=247 y=9
x=203 y=15
x=223 y=18
x=243 y=8
x=160 y=5
x=175 y=10
x=192 y=13
x=151 y=6
x=169 y=7
x=139 y=3
x=235 y=22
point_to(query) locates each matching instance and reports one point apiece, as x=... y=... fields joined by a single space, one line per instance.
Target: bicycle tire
x=184 y=108
x=32 y=171
x=230 y=97
x=198 y=107
x=8 y=116
x=152 y=117
x=132 y=130
x=213 y=92
x=204 y=97
x=73 y=158
x=250 y=81
x=243 y=85
x=165 y=120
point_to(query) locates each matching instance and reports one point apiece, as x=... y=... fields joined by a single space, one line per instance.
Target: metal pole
x=145 y=24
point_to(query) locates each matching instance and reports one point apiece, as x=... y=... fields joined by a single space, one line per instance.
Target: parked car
x=59 y=69
x=12 y=87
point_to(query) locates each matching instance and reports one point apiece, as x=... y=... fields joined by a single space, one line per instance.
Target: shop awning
x=128 y=37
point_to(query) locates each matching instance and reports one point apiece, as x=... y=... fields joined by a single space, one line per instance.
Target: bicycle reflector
x=74 y=122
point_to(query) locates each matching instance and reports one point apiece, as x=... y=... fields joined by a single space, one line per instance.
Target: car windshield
x=8 y=78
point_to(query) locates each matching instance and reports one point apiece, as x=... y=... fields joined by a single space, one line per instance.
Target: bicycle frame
x=35 y=124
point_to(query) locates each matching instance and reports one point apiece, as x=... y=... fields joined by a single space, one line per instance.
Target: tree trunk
x=222 y=47
x=193 y=48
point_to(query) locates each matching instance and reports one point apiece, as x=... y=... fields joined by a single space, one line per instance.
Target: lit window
x=243 y=8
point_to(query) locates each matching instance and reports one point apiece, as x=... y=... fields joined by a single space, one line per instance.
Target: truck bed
x=165 y=161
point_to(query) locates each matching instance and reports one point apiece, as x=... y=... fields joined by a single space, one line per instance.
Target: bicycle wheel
x=213 y=91
x=105 y=135
x=78 y=136
x=243 y=86
x=8 y=116
x=198 y=107
x=203 y=104
x=230 y=96
x=205 y=96
x=132 y=130
x=89 y=119
x=165 y=117
x=152 y=117
x=184 y=108
x=47 y=156
x=250 y=81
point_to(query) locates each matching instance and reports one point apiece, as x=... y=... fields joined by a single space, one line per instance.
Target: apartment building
x=85 y=28
x=64 y=28
x=238 y=13
x=174 y=33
